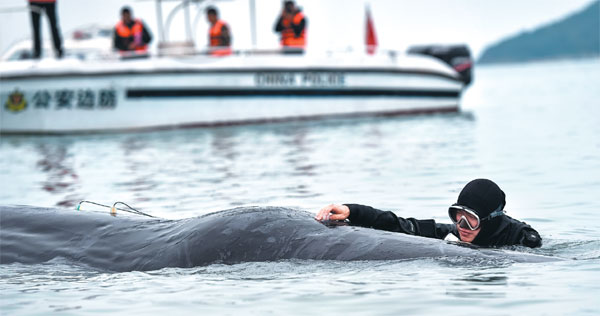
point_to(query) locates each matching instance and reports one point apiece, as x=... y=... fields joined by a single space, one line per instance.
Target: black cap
x=125 y=9
x=483 y=196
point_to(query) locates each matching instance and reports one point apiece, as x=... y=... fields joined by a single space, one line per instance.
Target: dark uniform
x=48 y=6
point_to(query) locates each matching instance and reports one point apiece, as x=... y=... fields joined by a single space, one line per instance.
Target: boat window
x=20 y=54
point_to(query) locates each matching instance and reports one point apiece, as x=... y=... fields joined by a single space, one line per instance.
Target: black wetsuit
x=501 y=231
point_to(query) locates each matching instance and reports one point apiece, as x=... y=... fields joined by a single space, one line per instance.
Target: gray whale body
x=35 y=235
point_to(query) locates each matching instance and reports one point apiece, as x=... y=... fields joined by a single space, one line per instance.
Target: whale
x=32 y=235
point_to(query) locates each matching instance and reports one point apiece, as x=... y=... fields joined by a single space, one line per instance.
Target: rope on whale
x=113 y=208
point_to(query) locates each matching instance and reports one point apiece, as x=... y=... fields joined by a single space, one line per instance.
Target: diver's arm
x=366 y=216
x=530 y=238
x=443 y=230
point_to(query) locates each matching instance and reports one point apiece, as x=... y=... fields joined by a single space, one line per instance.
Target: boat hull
x=132 y=99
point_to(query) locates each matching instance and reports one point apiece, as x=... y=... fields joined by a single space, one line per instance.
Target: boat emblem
x=16 y=101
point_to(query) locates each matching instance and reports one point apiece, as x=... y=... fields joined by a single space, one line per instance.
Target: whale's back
x=34 y=235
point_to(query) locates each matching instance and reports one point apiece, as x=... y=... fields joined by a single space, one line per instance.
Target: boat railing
x=187 y=50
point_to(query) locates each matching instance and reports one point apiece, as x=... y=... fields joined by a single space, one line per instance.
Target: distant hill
x=575 y=36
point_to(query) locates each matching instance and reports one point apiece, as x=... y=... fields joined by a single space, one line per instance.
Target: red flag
x=371 y=37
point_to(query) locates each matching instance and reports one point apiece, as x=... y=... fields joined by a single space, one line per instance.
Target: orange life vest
x=216 y=39
x=288 y=37
x=135 y=31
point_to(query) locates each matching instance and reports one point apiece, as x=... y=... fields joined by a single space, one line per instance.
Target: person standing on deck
x=219 y=37
x=131 y=35
x=49 y=6
x=292 y=26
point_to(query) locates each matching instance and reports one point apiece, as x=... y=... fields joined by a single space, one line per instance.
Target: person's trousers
x=50 y=9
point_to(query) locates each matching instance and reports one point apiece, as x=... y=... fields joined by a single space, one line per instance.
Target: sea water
x=532 y=128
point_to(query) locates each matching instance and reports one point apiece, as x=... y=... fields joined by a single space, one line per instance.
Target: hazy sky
x=332 y=24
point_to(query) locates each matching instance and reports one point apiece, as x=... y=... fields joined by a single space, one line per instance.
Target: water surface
x=532 y=128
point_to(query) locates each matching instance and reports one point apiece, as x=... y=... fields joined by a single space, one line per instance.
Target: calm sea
x=532 y=128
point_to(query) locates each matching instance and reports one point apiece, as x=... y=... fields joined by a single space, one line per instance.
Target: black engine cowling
x=457 y=56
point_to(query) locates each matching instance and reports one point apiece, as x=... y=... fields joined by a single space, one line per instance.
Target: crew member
x=131 y=35
x=292 y=26
x=219 y=36
x=478 y=216
x=49 y=6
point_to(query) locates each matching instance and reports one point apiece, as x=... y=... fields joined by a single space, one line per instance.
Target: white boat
x=103 y=93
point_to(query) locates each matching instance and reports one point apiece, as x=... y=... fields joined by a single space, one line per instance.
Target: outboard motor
x=457 y=56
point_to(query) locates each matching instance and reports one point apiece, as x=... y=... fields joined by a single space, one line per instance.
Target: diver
x=478 y=215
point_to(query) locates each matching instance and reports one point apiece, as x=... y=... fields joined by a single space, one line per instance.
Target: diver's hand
x=333 y=212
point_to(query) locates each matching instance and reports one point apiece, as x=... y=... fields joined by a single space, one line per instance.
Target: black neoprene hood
x=483 y=196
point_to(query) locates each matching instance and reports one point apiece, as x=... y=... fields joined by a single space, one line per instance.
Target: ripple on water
x=523 y=129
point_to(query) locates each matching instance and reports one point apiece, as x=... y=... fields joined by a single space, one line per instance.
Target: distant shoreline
x=572 y=37
x=540 y=61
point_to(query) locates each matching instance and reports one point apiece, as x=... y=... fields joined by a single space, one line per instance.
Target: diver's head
x=479 y=204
